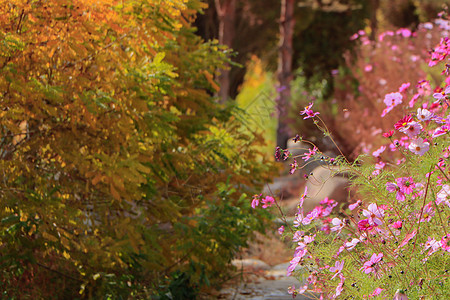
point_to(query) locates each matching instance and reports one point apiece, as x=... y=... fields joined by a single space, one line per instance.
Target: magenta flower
x=405 y=184
x=419 y=146
x=308 y=112
x=403 y=122
x=338 y=265
x=404 y=87
x=255 y=200
x=310 y=154
x=389 y=133
x=364 y=225
x=374 y=214
x=371 y=265
x=268 y=201
x=293 y=166
x=397 y=224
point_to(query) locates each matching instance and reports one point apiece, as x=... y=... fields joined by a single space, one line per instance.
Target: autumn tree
x=107 y=131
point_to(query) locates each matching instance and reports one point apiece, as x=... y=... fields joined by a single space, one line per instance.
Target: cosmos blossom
x=372 y=263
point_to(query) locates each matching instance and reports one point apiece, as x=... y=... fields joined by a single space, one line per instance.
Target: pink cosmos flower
x=433 y=245
x=404 y=87
x=442 y=95
x=393 y=99
x=371 y=265
x=411 y=129
x=443 y=194
x=338 y=265
x=376 y=292
x=441 y=130
x=378 y=152
x=340 y=286
x=392 y=187
x=355 y=205
x=295 y=261
x=397 y=224
x=308 y=112
x=268 y=201
x=338 y=225
x=364 y=225
x=427 y=213
x=403 y=122
x=374 y=213
x=281 y=230
x=445 y=242
x=400 y=295
x=298 y=235
x=352 y=244
x=255 y=200
x=419 y=146
x=389 y=133
x=368 y=68
x=405 y=184
x=407 y=238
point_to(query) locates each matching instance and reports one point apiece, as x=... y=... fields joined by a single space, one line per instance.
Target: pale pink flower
x=419 y=146
x=433 y=245
x=376 y=292
x=281 y=230
x=340 y=286
x=374 y=214
x=338 y=225
x=355 y=205
x=338 y=265
x=400 y=295
x=412 y=129
x=444 y=129
x=443 y=194
x=352 y=244
x=393 y=99
x=255 y=201
x=442 y=95
x=378 y=152
x=404 y=87
x=371 y=265
x=427 y=213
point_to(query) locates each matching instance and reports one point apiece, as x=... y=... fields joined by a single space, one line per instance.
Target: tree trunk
x=287 y=22
x=374 y=5
x=227 y=15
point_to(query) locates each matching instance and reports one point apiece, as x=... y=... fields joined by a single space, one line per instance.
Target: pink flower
x=378 y=152
x=445 y=242
x=268 y=201
x=392 y=187
x=255 y=200
x=406 y=185
x=364 y=225
x=308 y=112
x=443 y=194
x=340 y=286
x=355 y=205
x=433 y=244
x=393 y=99
x=389 y=133
x=419 y=146
x=368 y=68
x=404 y=87
x=352 y=244
x=441 y=130
x=337 y=268
x=371 y=265
x=442 y=95
x=293 y=166
x=397 y=224
x=403 y=122
x=374 y=214
x=427 y=213
x=411 y=129
x=376 y=292
x=400 y=295
x=338 y=225
x=281 y=230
